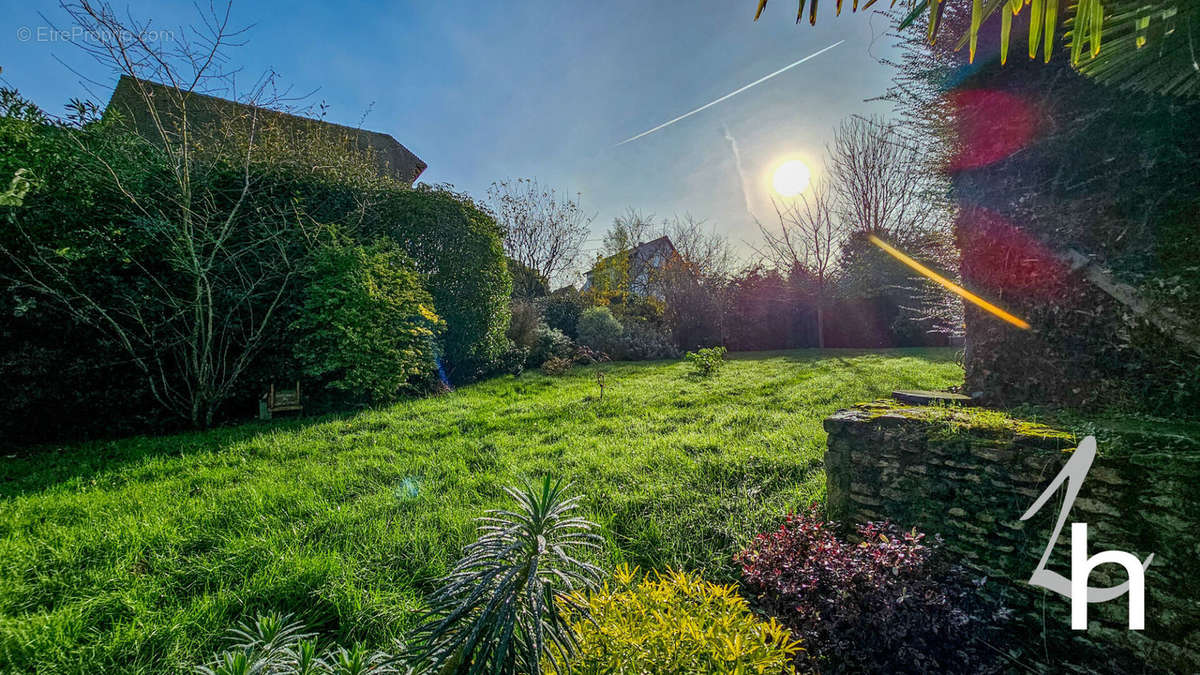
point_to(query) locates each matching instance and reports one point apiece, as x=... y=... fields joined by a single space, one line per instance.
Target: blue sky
x=484 y=91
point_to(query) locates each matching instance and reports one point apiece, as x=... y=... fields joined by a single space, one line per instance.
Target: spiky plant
x=498 y=610
x=273 y=644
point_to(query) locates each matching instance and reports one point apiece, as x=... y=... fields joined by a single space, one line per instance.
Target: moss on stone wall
x=969 y=474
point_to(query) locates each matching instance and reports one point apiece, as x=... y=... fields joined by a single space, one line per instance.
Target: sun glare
x=791 y=178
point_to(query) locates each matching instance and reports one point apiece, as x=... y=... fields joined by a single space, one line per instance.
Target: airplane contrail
x=737 y=163
x=730 y=94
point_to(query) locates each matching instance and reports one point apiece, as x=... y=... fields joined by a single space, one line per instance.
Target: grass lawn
x=136 y=555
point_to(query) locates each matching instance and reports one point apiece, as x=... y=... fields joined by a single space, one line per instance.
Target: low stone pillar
x=969 y=474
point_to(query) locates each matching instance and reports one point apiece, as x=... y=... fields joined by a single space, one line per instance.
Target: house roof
x=393 y=159
x=644 y=252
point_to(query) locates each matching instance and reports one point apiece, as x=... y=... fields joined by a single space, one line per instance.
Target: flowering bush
x=886 y=604
x=672 y=623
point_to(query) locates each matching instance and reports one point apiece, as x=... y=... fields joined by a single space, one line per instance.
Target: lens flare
x=948 y=285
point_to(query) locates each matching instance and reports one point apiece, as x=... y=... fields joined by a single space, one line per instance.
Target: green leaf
x=1005 y=32
x=976 y=21
x=1051 y=27
x=1036 y=12
x=912 y=16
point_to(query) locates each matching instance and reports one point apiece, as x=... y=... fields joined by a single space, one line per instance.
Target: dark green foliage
x=599 y=329
x=526 y=282
x=561 y=310
x=53 y=367
x=1138 y=219
x=705 y=362
x=500 y=610
x=550 y=343
x=71 y=207
x=366 y=325
x=457 y=246
x=186 y=279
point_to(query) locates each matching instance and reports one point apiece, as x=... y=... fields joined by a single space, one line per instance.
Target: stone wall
x=970 y=474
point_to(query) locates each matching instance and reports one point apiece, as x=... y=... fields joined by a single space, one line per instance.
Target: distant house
x=392 y=158
x=643 y=260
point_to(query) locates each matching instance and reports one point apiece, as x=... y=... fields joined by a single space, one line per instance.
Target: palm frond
x=1148 y=46
x=498 y=609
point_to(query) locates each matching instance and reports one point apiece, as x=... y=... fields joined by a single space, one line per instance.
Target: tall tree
x=879 y=182
x=807 y=244
x=627 y=230
x=543 y=230
x=201 y=244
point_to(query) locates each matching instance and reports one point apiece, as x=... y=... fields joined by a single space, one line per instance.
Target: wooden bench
x=284 y=400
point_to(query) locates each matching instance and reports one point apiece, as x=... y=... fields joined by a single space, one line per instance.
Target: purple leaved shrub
x=886 y=603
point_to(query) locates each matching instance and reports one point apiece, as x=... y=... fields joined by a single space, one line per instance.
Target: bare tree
x=207 y=263
x=807 y=244
x=543 y=230
x=628 y=230
x=704 y=249
x=880 y=183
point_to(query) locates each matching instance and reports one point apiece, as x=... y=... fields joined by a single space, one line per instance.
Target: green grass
x=135 y=555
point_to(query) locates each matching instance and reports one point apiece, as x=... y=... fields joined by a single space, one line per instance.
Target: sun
x=791 y=178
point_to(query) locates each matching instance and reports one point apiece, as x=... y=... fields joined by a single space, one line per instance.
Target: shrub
x=588 y=356
x=641 y=341
x=673 y=623
x=457 y=245
x=599 y=329
x=562 y=309
x=275 y=644
x=550 y=343
x=513 y=360
x=497 y=610
x=705 y=362
x=887 y=604
x=556 y=366
x=366 y=323
x=523 y=324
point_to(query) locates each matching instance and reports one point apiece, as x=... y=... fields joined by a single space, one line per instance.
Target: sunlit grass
x=136 y=555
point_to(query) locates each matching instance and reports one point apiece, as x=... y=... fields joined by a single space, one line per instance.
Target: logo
x=1076 y=588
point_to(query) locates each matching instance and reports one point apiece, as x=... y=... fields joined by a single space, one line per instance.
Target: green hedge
x=457 y=246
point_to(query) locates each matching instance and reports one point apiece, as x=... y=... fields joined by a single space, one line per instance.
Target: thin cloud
x=737 y=163
x=730 y=94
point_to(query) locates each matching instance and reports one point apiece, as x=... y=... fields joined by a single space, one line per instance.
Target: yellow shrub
x=673 y=623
